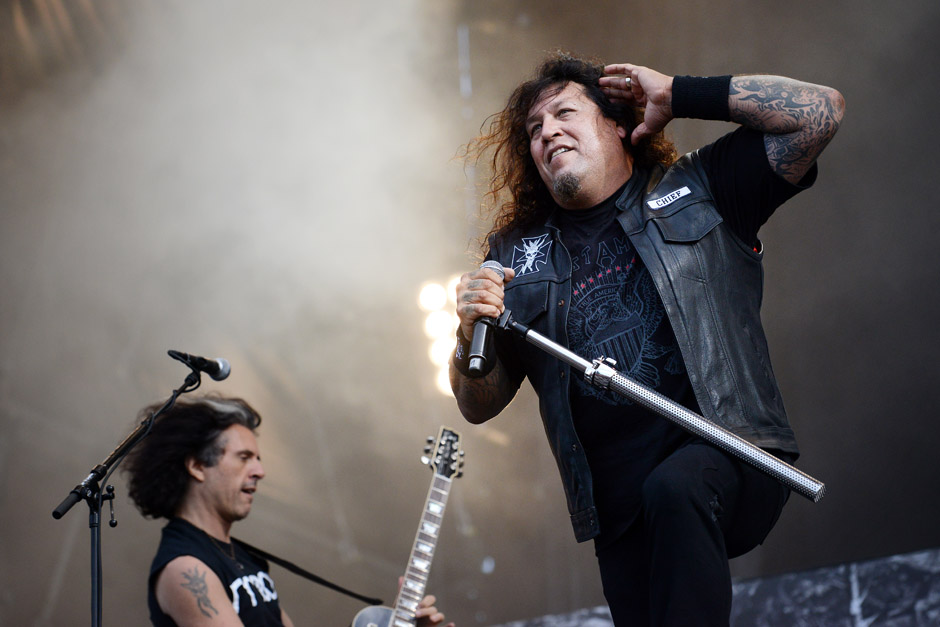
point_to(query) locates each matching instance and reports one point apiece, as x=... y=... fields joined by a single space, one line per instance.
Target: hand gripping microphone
x=482 y=341
x=218 y=369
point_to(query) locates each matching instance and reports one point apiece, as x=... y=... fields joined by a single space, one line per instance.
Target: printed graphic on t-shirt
x=531 y=255
x=257 y=587
x=616 y=312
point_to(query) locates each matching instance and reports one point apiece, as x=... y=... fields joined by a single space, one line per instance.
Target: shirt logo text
x=659 y=203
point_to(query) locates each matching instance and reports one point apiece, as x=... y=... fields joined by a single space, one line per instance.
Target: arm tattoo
x=481 y=399
x=798 y=119
x=196 y=583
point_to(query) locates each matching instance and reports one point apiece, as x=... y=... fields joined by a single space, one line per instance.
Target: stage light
x=432 y=297
x=439 y=324
x=443 y=381
x=440 y=351
x=452 y=289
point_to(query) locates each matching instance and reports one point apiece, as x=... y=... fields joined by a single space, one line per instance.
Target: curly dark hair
x=156 y=466
x=517 y=195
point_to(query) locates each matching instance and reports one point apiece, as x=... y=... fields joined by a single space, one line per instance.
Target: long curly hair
x=517 y=195
x=192 y=428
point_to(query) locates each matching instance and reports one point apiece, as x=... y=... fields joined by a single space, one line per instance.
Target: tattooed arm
x=483 y=398
x=798 y=119
x=191 y=594
x=480 y=294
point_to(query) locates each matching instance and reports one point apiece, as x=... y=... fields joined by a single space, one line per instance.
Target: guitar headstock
x=447 y=457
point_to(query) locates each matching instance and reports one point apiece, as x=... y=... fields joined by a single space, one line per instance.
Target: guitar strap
x=297 y=570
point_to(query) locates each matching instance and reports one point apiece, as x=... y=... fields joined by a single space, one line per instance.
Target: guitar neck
x=419 y=562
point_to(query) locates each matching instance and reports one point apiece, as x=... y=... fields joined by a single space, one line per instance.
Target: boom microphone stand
x=89 y=491
x=601 y=374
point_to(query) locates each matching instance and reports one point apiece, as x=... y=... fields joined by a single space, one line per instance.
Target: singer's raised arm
x=798 y=119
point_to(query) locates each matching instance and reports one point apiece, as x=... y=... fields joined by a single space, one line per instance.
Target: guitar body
x=374 y=616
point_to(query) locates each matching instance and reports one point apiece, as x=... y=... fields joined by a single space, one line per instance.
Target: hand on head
x=641 y=87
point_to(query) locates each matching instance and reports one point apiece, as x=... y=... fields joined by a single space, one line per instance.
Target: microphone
x=481 y=344
x=218 y=369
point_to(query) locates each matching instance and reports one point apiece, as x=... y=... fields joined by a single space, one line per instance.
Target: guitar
x=447 y=463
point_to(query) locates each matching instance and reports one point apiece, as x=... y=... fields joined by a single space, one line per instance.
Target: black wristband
x=461 y=355
x=461 y=358
x=702 y=97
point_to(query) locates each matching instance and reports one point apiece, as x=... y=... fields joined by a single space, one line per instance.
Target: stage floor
x=896 y=591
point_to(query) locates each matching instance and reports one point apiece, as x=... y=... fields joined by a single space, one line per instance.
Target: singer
x=199 y=467
x=614 y=246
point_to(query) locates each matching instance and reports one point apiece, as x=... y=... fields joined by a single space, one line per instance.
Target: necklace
x=229 y=554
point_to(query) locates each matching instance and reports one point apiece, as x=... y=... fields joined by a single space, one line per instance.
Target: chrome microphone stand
x=601 y=374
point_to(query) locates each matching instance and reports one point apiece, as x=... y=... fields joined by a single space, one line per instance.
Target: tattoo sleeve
x=196 y=584
x=798 y=119
x=481 y=399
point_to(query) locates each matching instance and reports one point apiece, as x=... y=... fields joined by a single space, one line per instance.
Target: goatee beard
x=566 y=187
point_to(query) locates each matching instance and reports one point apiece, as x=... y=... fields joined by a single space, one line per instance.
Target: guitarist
x=612 y=246
x=199 y=467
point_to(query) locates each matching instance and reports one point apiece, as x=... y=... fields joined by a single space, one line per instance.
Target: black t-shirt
x=745 y=189
x=616 y=312
x=246 y=579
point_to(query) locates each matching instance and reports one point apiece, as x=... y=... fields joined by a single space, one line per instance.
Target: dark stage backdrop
x=273 y=183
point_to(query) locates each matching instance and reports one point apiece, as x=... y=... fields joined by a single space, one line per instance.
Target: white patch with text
x=669 y=198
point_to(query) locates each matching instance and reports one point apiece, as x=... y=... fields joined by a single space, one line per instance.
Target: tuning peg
x=425 y=459
x=430 y=439
x=459 y=473
x=427 y=449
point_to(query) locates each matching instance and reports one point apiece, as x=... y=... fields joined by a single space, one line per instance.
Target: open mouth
x=556 y=152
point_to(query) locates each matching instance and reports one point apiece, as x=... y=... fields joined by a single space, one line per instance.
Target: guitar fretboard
x=419 y=563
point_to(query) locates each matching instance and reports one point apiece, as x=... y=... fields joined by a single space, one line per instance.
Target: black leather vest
x=711 y=284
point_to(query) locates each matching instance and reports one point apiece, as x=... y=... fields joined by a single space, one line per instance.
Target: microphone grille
x=225 y=369
x=495 y=266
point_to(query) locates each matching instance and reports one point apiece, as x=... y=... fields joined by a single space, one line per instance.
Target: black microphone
x=481 y=343
x=218 y=369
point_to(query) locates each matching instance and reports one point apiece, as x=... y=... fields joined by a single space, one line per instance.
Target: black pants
x=700 y=507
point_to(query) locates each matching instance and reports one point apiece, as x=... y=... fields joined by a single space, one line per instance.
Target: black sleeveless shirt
x=246 y=579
